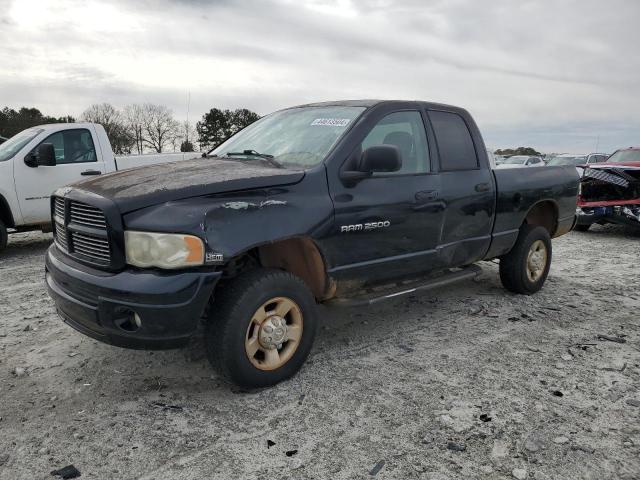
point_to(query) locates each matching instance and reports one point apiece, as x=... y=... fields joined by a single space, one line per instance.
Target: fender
x=234 y=223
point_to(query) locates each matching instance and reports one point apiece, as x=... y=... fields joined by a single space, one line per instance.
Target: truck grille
x=81 y=231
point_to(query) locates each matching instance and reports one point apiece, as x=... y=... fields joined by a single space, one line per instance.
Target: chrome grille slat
x=74 y=212
x=88 y=223
x=101 y=248
x=93 y=240
x=92 y=254
x=82 y=213
x=82 y=221
x=95 y=251
x=93 y=258
x=84 y=206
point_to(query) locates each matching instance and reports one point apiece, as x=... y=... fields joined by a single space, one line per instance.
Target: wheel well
x=299 y=256
x=5 y=213
x=544 y=214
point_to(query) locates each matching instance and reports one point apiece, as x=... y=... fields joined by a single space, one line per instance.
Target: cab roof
x=369 y=103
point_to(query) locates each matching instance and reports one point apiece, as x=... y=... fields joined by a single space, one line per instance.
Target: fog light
x=128 y=320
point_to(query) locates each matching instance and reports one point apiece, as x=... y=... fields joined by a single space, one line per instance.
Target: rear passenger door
x=467 y=190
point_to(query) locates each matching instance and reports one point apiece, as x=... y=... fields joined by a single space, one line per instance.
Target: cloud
x=548 y=72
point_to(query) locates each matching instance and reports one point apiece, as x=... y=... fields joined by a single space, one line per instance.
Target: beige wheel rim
x=536 y=260
x=274 y=333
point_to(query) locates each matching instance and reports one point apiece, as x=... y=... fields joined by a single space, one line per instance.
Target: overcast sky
x=555 y=75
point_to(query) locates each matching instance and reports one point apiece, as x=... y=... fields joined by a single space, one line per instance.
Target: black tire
x=231 y=314
x=513 y=266
x=4 y=236
x=582 y=228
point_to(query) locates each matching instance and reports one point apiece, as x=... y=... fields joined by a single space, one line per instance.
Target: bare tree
x=160 y=129
x=112 y=121
x=133 y=118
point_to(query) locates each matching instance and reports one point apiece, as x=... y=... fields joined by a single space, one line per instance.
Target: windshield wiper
x=253 y=153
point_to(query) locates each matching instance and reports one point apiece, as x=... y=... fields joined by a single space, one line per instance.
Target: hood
x=145 y=186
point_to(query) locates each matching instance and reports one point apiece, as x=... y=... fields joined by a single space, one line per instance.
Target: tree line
x=140 y=128
x=517 y=151
x=14 y=121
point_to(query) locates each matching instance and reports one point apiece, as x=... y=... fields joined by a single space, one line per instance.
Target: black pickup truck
x=344 y=202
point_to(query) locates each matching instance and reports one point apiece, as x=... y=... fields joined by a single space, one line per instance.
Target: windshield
x=297 y=137
x=625 y=156
x=575 y=160
x=12 y=146
x=518 y=159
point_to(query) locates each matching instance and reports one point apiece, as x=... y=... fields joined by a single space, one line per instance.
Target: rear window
x=454 y=141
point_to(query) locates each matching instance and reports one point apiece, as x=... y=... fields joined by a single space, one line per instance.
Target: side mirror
x=377 y=158
x=381 y=158
x=44 y=155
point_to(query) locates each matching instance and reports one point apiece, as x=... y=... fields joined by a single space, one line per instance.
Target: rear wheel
x=261 y=329
x=582 y=228
x=4 y=236
x=525 y=268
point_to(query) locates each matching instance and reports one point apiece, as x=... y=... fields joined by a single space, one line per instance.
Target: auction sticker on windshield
x=331 y=122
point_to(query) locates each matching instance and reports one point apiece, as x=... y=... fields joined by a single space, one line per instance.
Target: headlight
x=163 y=250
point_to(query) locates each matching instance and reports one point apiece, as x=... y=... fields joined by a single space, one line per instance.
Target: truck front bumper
x=133 y=308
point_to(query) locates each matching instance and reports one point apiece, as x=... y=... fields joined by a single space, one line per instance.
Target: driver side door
x=388 y=226
x=76 y=159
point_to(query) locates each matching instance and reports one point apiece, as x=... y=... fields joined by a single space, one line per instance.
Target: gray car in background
x=521 y=161
x=578 y=161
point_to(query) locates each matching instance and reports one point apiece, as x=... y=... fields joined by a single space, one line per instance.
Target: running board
x=447 y=278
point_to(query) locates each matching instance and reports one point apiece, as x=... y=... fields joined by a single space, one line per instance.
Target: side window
x=406 y=131
x=73 y=146
x=454 y=141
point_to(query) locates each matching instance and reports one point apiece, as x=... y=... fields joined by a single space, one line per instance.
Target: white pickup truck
x=38 y=160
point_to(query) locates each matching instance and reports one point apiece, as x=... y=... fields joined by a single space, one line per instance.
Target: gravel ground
x=464 y=382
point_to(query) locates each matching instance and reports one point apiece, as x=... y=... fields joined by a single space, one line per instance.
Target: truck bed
x=518 y=190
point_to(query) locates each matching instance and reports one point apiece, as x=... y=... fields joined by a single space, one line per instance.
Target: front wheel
x=525 y=268
x=4 y=236
x=261 y=329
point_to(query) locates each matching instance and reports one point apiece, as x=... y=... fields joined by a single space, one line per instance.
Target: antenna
x=188 y=106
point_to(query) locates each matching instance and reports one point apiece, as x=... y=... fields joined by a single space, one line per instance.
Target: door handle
x=483 y=187
x=426 y=195
x=91 y=172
